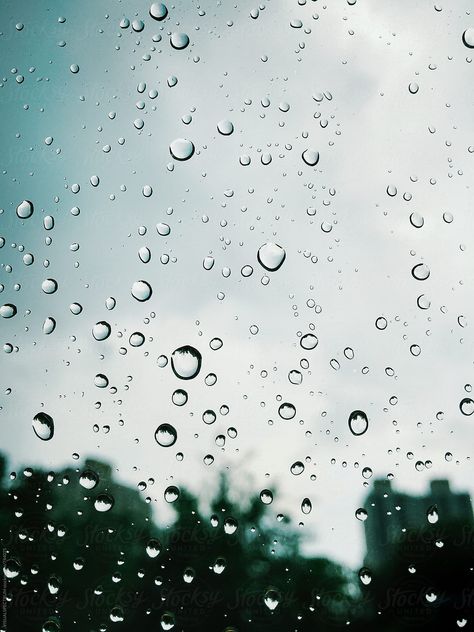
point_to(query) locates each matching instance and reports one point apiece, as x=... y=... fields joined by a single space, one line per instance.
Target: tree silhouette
x=70 y=565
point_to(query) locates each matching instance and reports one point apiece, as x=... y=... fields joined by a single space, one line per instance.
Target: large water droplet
x=153 y=547
x=365 y=576
x=179 y=40
x=25 y=209
x=103 y=503
x=219 y=565
x=166 y=435
x=468 y=37
x=271 y=256
x=308 y=342
x=158 y=11
x=272 y=598
x=420 y=272
x=49 y=325
x=11 y=568
x=306 y=506
x=287 y=410
x=141 y=290
x=361 y=514
x=466 y=406
x=171 y=494
x=297 y=468
x=167 y=621
x=88 y=479
x=186 y=362
x=179 y=397
x=8 y=310
x=101 y=330
x=49 y=286
x=310 y=157
x=225 y=127
x=266 y=496
x=181 y=149
x=230 y=525
x=43 y=425
x=358 y=422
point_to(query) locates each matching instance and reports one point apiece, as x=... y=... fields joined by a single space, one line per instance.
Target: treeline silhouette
x=82 y=552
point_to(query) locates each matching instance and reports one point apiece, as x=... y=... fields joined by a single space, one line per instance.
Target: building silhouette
x=393 y=516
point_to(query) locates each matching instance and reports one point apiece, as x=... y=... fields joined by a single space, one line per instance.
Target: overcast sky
x=384 y=92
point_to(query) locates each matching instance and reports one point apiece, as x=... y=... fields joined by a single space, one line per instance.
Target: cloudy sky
x=384 y=92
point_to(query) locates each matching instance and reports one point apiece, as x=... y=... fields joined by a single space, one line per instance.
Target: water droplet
x=8 y=310
x=208 y=263
x=432 y=514
x=167 y=620
x=266 y=496
x=103 y=503
x=295 y=377
x=171 y=494
x=306 y=506
x=43 y=426
x=136 y=339
x=158 y=11
x=308 y=342
x=420 y=272
x=153 y=548
x=101 y=330
x=216 y=344
x=179 y=40
x=230 y=525
x=361 y=514
x=11 y=568
x=25 y=209
x=141 y=290
x=271 y=256
x=181 y=149
x=468 y=37
x=466 y=406
x=413 y=88
x=49 y=286
x=365 y=576
x=358 y=423
x=310 y=157
x=189 y=574
x=297 y=468
x=417 y=220
x=225 y=127
x=423 y=302
x=219 y=565
x=186 y=362
x=49 y=325
x=287 y=411
x=163 y=229
x=272 y=598
x=88 y=479
x=179 y=397
x=166 y=435
x=145 y=254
